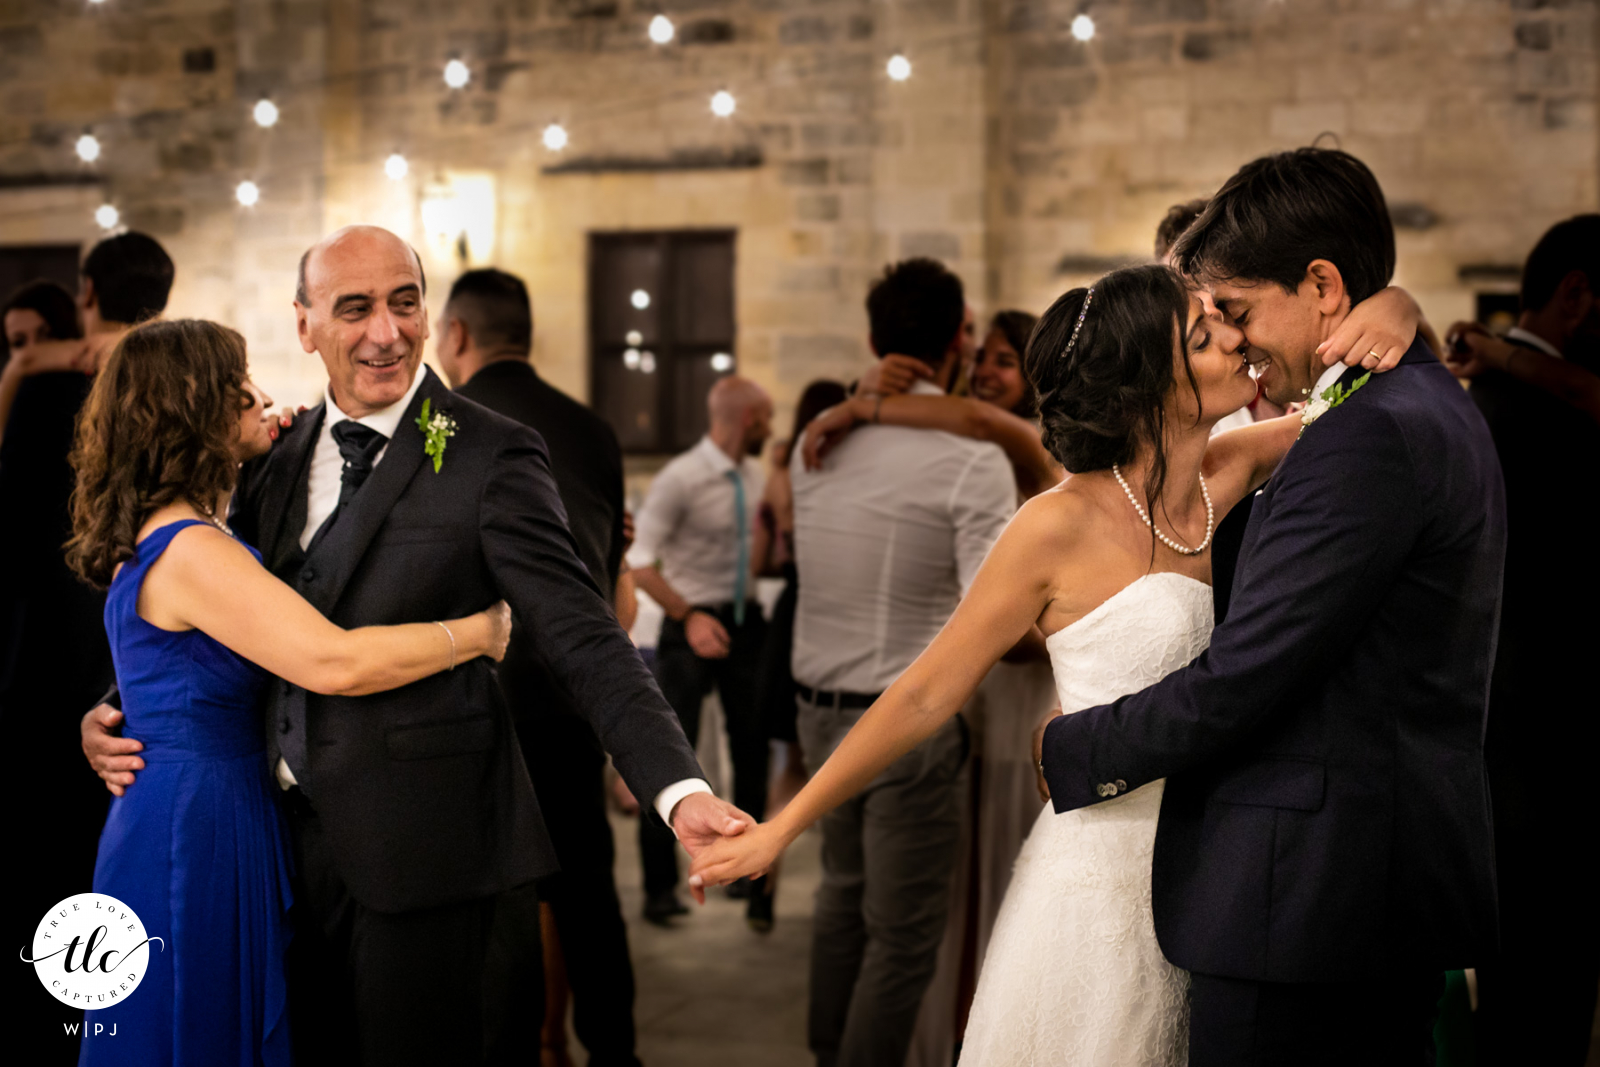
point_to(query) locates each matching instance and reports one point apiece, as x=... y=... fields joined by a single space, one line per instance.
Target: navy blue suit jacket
x=1326 y=809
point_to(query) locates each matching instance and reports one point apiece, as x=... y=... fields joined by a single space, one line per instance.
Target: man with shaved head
x=692 y=556
x=411 y=811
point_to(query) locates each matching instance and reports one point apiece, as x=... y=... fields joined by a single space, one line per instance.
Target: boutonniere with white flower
x=1331 y=397
x=437 y=429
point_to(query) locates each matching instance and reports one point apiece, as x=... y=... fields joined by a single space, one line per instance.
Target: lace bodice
x=1140 y=635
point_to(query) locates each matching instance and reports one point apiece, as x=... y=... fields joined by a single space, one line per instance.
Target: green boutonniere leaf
x=437 y=429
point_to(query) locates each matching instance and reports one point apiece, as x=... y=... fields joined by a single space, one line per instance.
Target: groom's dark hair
x=1282 y=211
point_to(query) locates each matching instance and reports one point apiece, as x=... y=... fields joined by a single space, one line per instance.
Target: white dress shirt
x=1329 y=376
x=687 y=523
x=327 y=467
x=888 y=536
x=1533 y=340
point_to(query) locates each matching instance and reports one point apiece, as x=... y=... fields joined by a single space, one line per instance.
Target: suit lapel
x=340 y=552
x=282 y=504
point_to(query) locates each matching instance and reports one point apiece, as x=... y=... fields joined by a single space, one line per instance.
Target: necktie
x=741 y=577
x=359 y=446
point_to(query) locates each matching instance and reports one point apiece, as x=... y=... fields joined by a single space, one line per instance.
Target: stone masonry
x=1028 y=160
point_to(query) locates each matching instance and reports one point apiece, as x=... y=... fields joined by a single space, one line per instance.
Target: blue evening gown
x=196 y=848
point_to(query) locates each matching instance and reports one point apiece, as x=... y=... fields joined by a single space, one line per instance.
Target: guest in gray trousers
x=888 y=534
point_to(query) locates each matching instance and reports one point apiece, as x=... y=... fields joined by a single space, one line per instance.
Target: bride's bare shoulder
x=1062 y=517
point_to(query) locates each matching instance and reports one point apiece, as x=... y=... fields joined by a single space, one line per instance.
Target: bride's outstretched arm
x=1009 y=593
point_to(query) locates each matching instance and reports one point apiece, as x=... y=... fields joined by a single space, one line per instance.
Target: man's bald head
x=360 y=307
x=741 y=413
x=302 y=294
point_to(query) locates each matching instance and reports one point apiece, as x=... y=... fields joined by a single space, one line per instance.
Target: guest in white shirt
x=692 y=555
x=888 y=535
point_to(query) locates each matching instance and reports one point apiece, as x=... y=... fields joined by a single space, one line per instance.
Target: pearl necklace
x=1182 y=550
x=219 y=524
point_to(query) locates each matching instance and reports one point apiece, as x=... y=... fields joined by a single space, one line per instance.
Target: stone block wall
x=1025 y=158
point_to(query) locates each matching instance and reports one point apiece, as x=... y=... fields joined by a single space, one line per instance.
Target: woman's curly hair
x=160 y=427
x=1101 y=401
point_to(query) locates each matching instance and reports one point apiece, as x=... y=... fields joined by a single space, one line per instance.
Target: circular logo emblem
x=91 y=951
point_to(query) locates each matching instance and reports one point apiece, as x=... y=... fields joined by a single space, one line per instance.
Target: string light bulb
x=722 y=103
x=639 y=299
x=396 y=167
x=899 y=67
x=456 y=74
x=88 y=148
x=107 y=216
x=1083 y=28
x=265 y=113
x=248 y=194
x=721 y=363
x=662 y=30
x=555 y=137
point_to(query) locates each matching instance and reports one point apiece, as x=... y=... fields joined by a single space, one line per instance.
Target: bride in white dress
x=1132 y=374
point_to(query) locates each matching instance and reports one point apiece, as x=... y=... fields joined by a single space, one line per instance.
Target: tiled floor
x=711 y=990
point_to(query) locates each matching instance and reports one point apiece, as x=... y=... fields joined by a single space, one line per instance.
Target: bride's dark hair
x=1099 y=402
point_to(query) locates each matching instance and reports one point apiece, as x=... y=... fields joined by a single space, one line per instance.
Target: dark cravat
x=359 y=446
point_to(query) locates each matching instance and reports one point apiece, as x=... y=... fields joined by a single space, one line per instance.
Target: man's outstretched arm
x=1344 y=516
x=536 y=569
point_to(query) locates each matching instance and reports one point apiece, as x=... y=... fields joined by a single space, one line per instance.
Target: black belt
x=823 y=698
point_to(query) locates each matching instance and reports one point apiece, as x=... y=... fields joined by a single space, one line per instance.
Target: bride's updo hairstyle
x=1106 y=394
x=159 y=427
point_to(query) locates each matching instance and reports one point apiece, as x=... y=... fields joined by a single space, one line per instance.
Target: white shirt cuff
x=668 y=798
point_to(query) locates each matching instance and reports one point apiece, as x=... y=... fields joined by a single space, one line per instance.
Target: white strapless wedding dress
x=1073 y=976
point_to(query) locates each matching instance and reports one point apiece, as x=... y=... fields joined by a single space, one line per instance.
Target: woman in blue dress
x=197 y=848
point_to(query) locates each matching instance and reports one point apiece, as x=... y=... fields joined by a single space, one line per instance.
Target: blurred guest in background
x=54 y=659
x=887 y=535
x=693 y=557
x=1537 y=1000
x=485 y=339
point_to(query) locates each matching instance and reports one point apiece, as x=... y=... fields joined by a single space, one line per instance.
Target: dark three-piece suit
x=414 y=809
x=1324 y=850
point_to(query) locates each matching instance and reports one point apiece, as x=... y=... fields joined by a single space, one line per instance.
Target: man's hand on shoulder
x=701 y=818
x=113 y=757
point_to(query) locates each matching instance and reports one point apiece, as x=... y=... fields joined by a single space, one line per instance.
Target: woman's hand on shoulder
x=824 y=432
x=47 y=357
x=498 y=619
x=893 y=374
x=1376 y=333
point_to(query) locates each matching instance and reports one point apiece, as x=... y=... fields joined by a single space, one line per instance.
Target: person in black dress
x=54 y=659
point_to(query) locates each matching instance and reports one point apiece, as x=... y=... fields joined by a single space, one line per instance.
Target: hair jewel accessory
x=1078 y=325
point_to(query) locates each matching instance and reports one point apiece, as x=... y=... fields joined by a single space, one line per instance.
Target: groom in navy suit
x=1324 y=851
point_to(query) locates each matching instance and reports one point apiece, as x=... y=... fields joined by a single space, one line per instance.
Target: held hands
x=706 y=635
x=1038 y=752
x=113 y=757
x=1376 y=333
x=750 y=854
x=701 y=820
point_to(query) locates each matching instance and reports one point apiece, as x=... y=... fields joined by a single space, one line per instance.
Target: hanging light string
x=458 y=75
